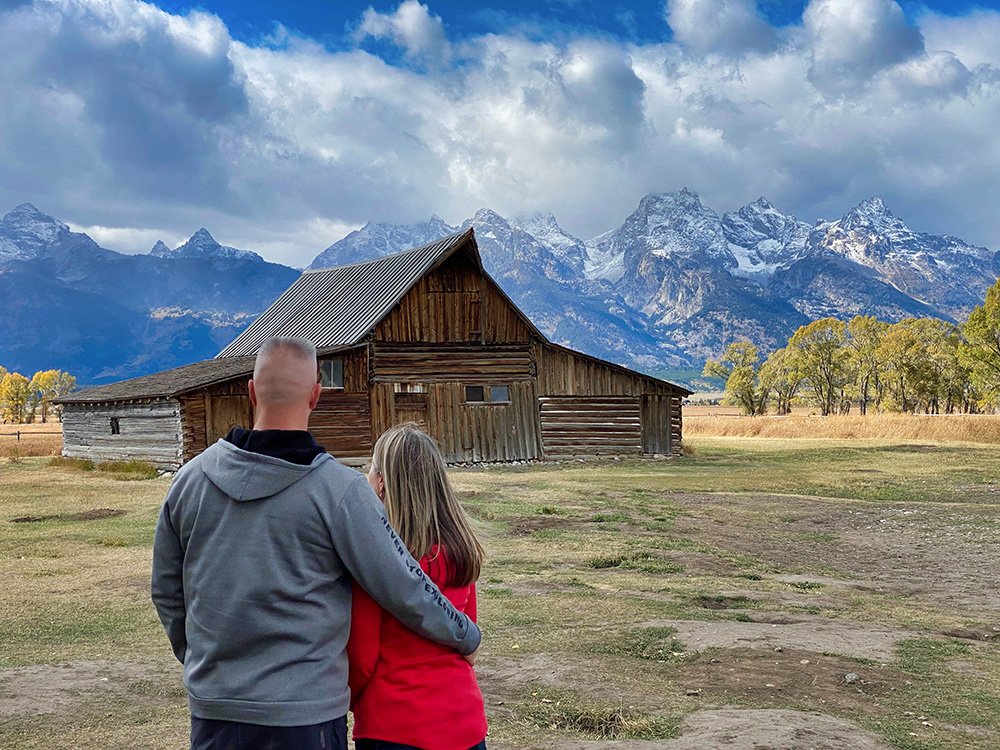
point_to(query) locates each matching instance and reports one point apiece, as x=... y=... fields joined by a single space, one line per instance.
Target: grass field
x=828 y=594
x=724 y=421
x=23 y=440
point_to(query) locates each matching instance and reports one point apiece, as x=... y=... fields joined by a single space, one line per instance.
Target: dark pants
x=209 y=734
x=380 y=745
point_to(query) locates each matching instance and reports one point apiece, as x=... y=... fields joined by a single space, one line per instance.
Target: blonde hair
x=421 y=504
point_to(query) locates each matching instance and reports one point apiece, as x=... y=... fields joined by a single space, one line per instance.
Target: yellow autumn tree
x=14 y=392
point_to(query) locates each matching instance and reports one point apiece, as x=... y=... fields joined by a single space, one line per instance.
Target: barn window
x=500 y=393
x=487 y=394
x=116 y=428
x=331 y=373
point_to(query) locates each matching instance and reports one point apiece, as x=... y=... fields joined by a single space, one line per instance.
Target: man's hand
x=471 y=658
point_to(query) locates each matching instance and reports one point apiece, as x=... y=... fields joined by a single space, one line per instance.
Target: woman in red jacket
x=408 y=693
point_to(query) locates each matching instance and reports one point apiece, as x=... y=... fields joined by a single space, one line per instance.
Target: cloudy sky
x=281 y=126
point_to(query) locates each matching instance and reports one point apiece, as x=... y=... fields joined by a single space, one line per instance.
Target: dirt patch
x=791 y=677
x=746 y=729
x=943 y=555
x=87 y=515
x=813 y=634
x=51 y=688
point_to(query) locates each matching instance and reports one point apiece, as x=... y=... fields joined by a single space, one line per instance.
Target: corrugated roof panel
x=338 y=306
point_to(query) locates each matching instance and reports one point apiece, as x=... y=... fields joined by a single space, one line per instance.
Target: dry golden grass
x=964 y=428
x=35 y=440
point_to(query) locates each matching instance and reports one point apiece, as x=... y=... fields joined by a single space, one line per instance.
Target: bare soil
x=747 y=729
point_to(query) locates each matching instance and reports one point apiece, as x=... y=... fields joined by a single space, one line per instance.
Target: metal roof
x=168 y=383
x=336 y=307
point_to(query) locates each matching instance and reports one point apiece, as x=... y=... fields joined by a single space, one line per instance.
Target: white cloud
x=973 y=37
x=412 y=28
x=853 y=39
x=721 y=26
x=119 y=115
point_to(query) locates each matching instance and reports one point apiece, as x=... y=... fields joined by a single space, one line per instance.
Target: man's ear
x=314 y=396
x=252 y=392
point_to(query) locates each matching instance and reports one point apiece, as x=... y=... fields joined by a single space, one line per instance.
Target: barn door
x=655 y=424
x=226 y=412
x=412 y=407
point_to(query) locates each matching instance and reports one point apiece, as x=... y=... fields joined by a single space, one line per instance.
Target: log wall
x=342 y=424
x=147 y=432
x=474 y=364
x=591 y=426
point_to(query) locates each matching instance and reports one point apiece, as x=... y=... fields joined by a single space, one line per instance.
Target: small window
x=331 y=373
x=500 y=394
x=116 y=428
x=487 y=394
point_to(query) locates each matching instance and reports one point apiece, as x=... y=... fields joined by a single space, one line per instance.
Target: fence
x=28 y=433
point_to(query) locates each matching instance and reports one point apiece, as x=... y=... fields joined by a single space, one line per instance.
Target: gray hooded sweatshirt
x=252 y=568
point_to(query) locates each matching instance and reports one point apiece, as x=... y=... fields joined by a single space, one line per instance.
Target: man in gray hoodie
x=256 y=548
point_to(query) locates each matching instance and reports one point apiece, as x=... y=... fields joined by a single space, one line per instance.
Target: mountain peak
x=487 y=215
x=27 y=216
x=25 y=232
x=202 y=244
x=666 y=204
x=203 y=235
x=873 y=215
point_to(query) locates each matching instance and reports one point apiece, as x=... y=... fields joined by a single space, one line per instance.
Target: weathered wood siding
x=444 y=305
x=473 y=364
x=356 y=374
x=341 y=423
x=465 y=432
x=591 y=425
x=503 y=323
x=562 y=373
x=660 y=419
x=201 y=423
x=564 y=376
x=454 y=303
x=147 y=432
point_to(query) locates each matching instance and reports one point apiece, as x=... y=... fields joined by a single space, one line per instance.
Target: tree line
x=917 y=365
x=26 y=400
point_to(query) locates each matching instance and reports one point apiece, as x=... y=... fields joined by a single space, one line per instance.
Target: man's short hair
x=303 y=348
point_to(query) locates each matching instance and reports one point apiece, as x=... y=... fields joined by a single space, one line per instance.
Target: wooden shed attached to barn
x=425 y=336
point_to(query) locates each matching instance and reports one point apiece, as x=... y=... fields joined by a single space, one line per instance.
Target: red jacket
x=407 y=689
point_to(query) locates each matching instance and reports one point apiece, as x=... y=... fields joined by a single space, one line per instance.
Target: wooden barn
x=425 y=336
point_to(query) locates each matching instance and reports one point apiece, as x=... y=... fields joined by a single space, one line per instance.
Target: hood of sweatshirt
x=244 y=475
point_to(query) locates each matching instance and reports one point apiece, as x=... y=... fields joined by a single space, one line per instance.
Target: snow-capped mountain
x=942 y=271
x=546 y=231
x=71 y=304
x=674 y=226
x=374 y=240
x=202 y=244
x=762 y=239
x=25 y=231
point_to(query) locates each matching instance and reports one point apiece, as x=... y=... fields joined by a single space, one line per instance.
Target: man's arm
x=167 y=581
x=381 y=564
